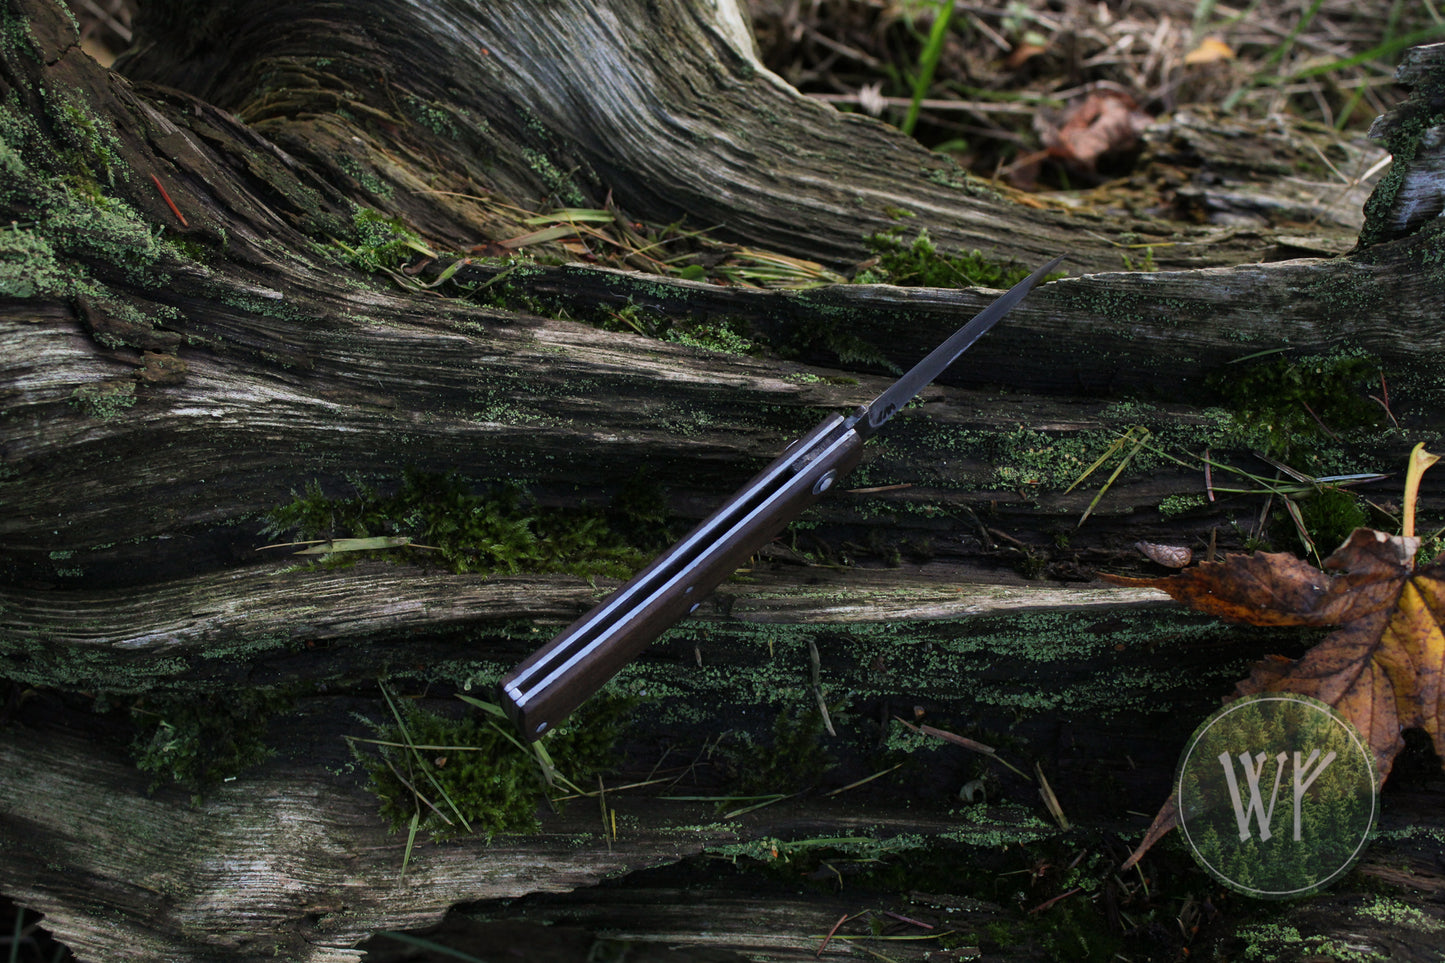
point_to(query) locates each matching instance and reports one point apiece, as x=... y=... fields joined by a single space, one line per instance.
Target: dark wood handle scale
x=559 y=677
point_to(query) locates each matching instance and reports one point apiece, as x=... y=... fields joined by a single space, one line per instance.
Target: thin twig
x=172 y=204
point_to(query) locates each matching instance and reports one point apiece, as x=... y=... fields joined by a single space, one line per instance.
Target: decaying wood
x=154 y=410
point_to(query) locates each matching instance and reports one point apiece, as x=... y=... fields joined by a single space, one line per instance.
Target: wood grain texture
x=162 y=388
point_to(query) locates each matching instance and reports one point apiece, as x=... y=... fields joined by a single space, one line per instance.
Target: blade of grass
x=747 y=809
x=410 y=837
x=1275 y=58
x=1385 y=51
x=967 y=743
x=1278 y=54
x=864 y=781
x=417 y=793
x=422 y=764
x=336 y=546
x=1143 y=437
x=566 y=215
x=539 y=752
x=490 y=708
x=928 y=63
x=1109 y=452
x=818 y=688
x=1299 y=526
x=16 y=933
x=1051 y=802
x=616 y=789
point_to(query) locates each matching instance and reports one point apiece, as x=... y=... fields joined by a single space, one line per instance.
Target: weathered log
x=165 y=386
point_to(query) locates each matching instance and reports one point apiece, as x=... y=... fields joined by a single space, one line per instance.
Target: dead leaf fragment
x=1022 y=54
x=1170 y=556
x=1104 y=122
x=1382 y=669
x=1210 y=50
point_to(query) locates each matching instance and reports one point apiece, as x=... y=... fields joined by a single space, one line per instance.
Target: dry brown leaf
x=1104 y=122
x=1170 y=556
x=1383 y=668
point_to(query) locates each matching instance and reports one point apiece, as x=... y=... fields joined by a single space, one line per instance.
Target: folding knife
x=561 y=675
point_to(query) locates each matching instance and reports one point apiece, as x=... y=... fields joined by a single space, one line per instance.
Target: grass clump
x=480 y=532
x=451 y=775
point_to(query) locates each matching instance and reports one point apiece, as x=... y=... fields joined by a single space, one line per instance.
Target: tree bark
x=167 y=384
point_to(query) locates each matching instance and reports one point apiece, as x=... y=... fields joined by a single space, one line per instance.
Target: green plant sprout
x=928 y=63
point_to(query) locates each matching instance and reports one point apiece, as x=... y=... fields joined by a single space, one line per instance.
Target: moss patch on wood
x=198 y=742
x=487 y=531
x=920 y=263
x=1288 y=406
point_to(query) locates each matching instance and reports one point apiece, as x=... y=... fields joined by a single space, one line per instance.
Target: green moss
x=93 y=139
x=198 y=743
x=1328 y=516
x=1172 y=505
x=792 y=760
x=1289 y=405
x=474 y=771
x=433 y=116
x=1031 y=460
x=808 y=852
x=996 y=665
x=365 y=176
x=919 y=263
x=66 y=231
x=380 y=242
x=105 y=399
x=821 y=327
x=713 y=337
x=483 y=532
x=29 y=265
x=1267 y=942
x=1402 y=138
x=1401 y=915
x=558 y=183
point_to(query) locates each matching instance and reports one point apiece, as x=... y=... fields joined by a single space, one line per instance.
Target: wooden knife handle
x=561 y=675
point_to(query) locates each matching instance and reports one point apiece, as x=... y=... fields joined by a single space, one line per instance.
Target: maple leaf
x=1382 y=669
